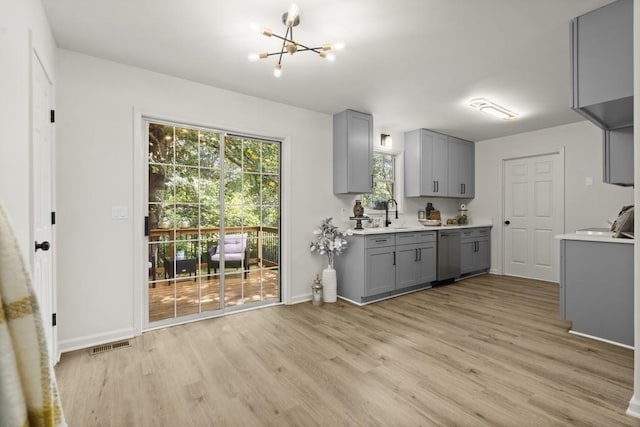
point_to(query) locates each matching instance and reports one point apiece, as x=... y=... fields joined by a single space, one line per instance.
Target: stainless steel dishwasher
x=448 y=254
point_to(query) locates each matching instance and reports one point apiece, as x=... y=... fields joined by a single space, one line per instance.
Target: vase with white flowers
x=329 y=241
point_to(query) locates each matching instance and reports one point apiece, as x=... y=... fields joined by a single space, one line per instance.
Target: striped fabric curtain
x=28 y=393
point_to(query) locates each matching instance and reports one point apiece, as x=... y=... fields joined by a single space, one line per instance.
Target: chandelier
x=291 y=19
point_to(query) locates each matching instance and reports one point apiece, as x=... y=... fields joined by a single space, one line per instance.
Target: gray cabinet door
x=468 y=170
x=602 y=64
x=483 y=254
x=406 y=266
x=618 y=156
x=425 y=163
x=467 y=256
x=380 y=270
x=461 y=168
x=352 y=152
x=427 y=263
x=428 y=184
x=439 y=159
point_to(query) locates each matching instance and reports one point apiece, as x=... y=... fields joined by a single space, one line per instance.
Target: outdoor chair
x=236 y=253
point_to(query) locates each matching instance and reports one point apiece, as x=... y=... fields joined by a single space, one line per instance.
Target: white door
x=533 y=215
x=42 y=179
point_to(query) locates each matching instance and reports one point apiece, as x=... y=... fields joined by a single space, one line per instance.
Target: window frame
x=398 y=182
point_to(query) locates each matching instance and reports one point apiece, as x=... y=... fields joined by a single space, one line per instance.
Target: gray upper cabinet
x=352 y=152
x=461 y=168
x=438 y=165
x=425 y=163
x=618 y=156
x=602 y=64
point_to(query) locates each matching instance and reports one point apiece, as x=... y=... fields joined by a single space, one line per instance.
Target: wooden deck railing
x=264 y=242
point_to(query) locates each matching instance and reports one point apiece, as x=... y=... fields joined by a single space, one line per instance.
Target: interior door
x=533 y=215
x=42 y=179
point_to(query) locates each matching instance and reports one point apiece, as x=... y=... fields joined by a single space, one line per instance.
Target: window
x=384 y=176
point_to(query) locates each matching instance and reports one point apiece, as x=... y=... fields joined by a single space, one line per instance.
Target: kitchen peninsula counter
x=596 y=286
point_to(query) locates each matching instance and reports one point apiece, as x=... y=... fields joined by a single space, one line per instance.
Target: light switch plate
x=119 y=212
x=588 y=181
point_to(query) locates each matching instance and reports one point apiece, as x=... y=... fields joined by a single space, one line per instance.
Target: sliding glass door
x=213 y=222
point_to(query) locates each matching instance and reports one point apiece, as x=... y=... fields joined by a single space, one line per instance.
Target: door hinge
x=54 y=320
x=53 y=116
x=53 y=218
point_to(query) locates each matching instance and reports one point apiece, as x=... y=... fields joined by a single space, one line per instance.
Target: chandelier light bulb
x=292 y=14
x=331 y=57
x=277 y=72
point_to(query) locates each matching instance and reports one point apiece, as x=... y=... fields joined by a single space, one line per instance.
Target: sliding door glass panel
x=214 y=219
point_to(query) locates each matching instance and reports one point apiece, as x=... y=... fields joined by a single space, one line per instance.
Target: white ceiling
x=412 y=63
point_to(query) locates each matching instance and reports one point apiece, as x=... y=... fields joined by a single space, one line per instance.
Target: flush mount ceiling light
x=495 y=110
x=290 y=19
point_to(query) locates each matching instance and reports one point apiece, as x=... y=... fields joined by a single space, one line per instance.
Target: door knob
x=45 y=246
x=507 y=222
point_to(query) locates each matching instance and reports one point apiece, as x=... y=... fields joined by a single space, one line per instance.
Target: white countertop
x=594 y=238
x=410 y=228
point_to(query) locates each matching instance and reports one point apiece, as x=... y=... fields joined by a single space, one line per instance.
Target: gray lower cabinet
x=475 y=250
x=596 y=288
x=381 y=265
x=380 y=270
x=416 y=256
x=352 y=152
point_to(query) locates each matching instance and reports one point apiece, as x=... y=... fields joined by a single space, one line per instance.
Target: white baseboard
x=580 y=334
x=634 y=407
x=66 y=346
x=299 y=299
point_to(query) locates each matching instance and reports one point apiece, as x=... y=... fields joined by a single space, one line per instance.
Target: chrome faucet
x=387 y=222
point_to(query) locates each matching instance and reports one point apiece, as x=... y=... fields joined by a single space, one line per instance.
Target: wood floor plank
x=486 y=351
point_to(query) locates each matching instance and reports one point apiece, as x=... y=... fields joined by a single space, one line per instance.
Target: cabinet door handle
x=464 y=188
x=434 y=186
x=394 y=257
x=381 y=240
x=437 y=186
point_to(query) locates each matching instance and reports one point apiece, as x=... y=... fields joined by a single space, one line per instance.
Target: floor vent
x=111 y=346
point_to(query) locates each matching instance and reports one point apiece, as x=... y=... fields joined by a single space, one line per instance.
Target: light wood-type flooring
x=486 y=351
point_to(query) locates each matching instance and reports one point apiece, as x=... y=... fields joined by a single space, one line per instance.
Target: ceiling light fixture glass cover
x=290 y=19
x=490 y=108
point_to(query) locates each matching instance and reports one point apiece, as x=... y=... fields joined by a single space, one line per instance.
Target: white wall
x=585 y=206
x=23 y=27
x=95 y=131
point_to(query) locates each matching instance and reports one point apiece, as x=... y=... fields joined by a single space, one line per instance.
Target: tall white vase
x=329 y=285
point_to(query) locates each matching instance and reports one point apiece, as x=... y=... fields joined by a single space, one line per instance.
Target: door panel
x=533 y=208
x=381 y=271
x=42 y=202
x=406 y=268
